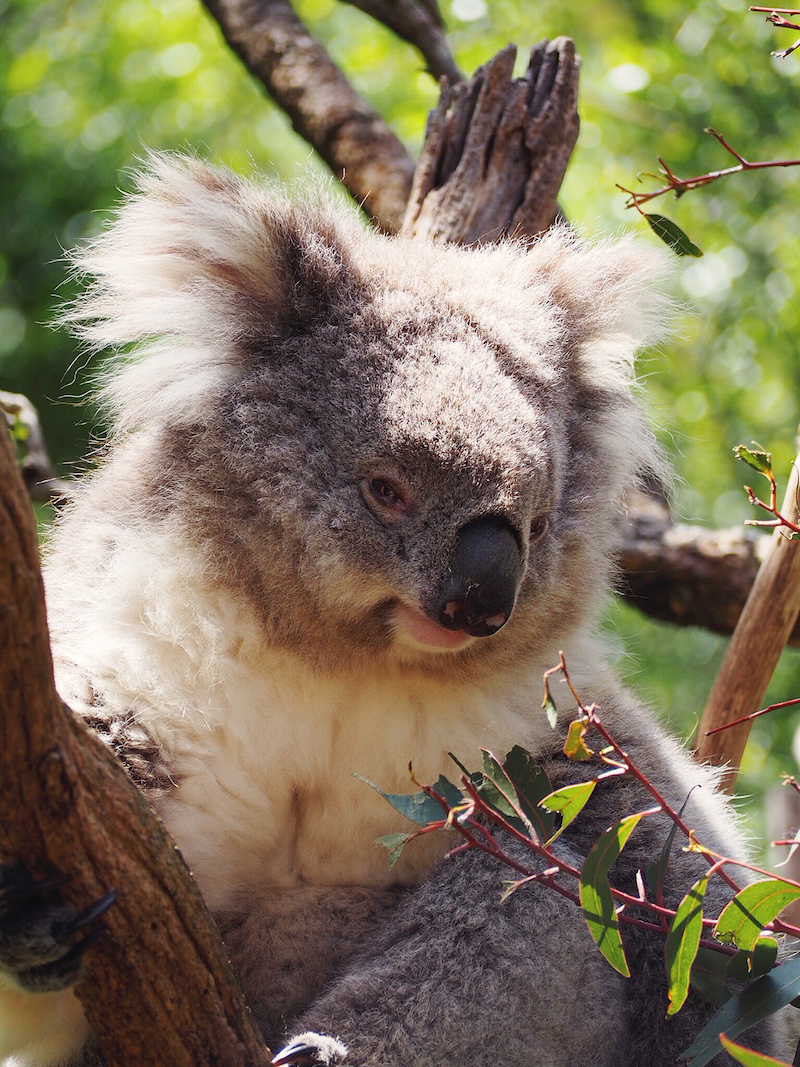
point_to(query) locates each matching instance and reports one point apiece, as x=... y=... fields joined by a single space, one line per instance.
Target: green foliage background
x=86 y=86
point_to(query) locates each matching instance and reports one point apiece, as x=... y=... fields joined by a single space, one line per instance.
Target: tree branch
x=496 y=149
x=36 y=467
x=297 y=72
x=158 y=987
x=420 y=24
x=687 y=575
x=762 y=631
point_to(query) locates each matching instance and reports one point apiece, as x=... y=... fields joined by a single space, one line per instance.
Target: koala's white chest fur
x=267 y=797
x=261 y=749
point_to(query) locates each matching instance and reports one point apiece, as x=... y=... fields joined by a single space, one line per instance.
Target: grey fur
x=230 y=545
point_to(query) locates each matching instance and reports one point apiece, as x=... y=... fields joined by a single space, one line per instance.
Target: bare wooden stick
x=496 y=150
x=758 y=640
x=353 y=140
x=420 y=24
x=158 y=987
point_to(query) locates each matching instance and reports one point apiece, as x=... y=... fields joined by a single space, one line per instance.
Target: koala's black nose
x=479 y=593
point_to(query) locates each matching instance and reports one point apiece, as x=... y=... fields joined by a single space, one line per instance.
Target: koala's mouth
x=417 y=628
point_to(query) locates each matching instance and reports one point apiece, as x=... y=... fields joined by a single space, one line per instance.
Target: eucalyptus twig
x=775 y=17
x=679 y=186
x=753 y=715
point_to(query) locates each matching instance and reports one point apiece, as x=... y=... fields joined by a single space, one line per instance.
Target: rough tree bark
x=348 y=134
x=158 y=987
x=496 y=150
x=495 y=153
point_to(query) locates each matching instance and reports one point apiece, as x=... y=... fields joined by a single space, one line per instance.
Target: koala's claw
x=298 y=1053
x=88 y=915
x=311 y=1050
x=37 y=932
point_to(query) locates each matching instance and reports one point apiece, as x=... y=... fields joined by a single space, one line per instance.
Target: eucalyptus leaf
x=569 y=802
x=595 y=892
x=418 y=807
x=762 y=958
x=748 y=1057
x=683 y=941
x=549 y=707
x=744 y=917
x=756 y=457
x=394 y=843
x=673 y=236
x=532 y=785
x=708 y=974
x=760 y=1000
x=575 y=748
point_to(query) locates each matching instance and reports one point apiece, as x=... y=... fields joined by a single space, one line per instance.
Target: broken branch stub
x=496 y=150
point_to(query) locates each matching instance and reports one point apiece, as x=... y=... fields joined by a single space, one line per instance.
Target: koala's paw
x=40 y=947
x=311 y=1050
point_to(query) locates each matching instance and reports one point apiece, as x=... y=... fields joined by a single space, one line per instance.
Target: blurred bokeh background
x=87 y=86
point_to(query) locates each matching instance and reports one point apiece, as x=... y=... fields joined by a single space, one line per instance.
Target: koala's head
x=394 y=449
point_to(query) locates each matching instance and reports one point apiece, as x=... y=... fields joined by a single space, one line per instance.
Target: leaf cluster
x=729 y=960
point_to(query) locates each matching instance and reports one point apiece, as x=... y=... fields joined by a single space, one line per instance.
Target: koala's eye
x=387 y=494
x=539 y=528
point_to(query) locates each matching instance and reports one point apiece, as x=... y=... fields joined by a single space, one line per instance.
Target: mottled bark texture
x=685 y=574
x=496 y=150
x=297 y=72
x=158 y=988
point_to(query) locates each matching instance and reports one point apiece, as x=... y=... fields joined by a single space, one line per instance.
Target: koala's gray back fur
x=239 y=611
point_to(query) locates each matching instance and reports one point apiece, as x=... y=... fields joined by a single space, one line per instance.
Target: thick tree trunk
x=158 y=987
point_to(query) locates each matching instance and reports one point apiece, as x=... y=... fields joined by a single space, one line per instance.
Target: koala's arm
x=456 y=978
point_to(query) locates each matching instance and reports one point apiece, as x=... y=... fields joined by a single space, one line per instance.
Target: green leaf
x=683 y=941
x=673 y=236
x=498 y=791
x=532 y=785
x=569 y=801
x=756 y=458
x=743 y=919
x=395 y=843
x=748 y=1057
x=739 y=967
x=575 y=748
x=474 y=776
x=760 y=1000
x=707 y=976
x=656 y=872
x=595 y=892
x=762 y=958
x=550 y=710
x=418 y=807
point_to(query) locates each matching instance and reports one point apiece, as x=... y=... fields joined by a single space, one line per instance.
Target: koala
x=359 y=493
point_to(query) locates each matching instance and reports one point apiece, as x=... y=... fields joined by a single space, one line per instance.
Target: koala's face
x=412 y=451
x=437 y=478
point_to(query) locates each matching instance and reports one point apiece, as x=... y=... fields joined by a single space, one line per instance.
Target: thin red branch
x=753 y=715
x=682 y=185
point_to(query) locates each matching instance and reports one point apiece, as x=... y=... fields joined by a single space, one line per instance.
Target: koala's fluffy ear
x=609 y=301
x=197 y=272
